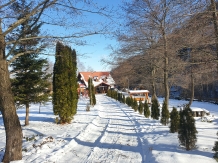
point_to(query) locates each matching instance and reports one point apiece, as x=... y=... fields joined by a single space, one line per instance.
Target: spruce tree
x=146 y=109
x=140 y=107
x=215 y=149
x=187 y=130
x=165 y=115
x=155 y=111
x=174 y=120
x=30 y=77
x=64 y=84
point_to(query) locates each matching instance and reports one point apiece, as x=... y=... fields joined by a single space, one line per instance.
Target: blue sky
x=98 y=47
x=90 y=55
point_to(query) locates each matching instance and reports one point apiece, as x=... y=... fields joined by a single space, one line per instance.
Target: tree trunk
x=215 y=23
x=192 y=89
x=166 y=85
x=153 y=83
x=27 y=114
x=13 y=149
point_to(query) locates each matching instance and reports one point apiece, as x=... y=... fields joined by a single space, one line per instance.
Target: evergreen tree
x=146 y=109
x=73 y=81
x=128 y=101
x=155 y=111
x=187 y=130
x=140 y=107
x=134 y=104
x=64 y=84
x=174 y=120
x=165 y=115
x=215 y=149
x=30 y=80
x=123 y=99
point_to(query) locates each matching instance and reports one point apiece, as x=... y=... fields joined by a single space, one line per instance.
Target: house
x=140 y=95
x=102 y=81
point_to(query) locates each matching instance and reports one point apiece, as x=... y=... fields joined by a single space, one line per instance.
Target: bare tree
x=54 y=13
x=149 y=25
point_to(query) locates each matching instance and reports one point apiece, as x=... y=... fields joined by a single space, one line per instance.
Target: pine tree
x=146 y=109
x=174 y=120
x=140 y=107
x=30 y=77
x=64 y=84
x=215 y=149
x=187 y=130
x=155 y=111
x=165 y=115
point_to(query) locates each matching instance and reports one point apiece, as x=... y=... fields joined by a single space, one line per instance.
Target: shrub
x=174 y=120
x=146 y=110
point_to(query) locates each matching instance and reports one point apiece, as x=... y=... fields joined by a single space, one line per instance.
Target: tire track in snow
x=86 y=141
x=70 y=145
x=140 y=130
x=119 y=142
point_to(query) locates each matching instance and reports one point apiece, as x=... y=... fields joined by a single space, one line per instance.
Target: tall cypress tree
x=187 y=130
x=146 y=109
x=140 y=107
x=174 y=120
x=30 y=80
x=165 y=115
x=134 y=104
x=155 y=111
x=65 y=96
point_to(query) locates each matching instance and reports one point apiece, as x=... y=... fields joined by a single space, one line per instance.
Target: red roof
x=86 y=75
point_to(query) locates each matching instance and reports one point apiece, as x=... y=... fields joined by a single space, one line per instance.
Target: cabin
x=199 y=112
x=102 y=81
x=140 y=95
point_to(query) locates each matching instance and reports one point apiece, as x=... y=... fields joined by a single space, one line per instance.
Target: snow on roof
x=197 y=109
x=139 y=91
x=101 y=77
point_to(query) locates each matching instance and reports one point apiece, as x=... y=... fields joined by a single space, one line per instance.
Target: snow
x=110 y=132
x=138 y=91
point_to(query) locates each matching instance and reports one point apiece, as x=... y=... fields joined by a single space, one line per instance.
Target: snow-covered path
x=110 y=137
x=111 y=132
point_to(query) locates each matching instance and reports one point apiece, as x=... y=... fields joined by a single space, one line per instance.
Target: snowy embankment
x=110 y=132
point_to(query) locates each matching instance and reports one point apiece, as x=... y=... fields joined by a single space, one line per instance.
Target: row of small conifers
x=181 y=122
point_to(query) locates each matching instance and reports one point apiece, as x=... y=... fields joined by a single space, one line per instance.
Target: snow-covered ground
x=111 y=132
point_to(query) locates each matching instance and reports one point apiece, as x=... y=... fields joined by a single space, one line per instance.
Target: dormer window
x=95 y=78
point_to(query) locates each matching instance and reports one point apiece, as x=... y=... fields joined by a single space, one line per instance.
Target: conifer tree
x=134 y=104
x=140 y=107
x=128 y=101
x=73 y=81
x=123 y=99
x=64 y=84
x=155 y=111
x=30 y=77
x=215 y=149
x=165 y=115
x=146 y=109
x=187 y=130
x=174 y=120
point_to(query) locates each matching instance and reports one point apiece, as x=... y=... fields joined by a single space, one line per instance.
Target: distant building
x=102 y=81
x=140 y=95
